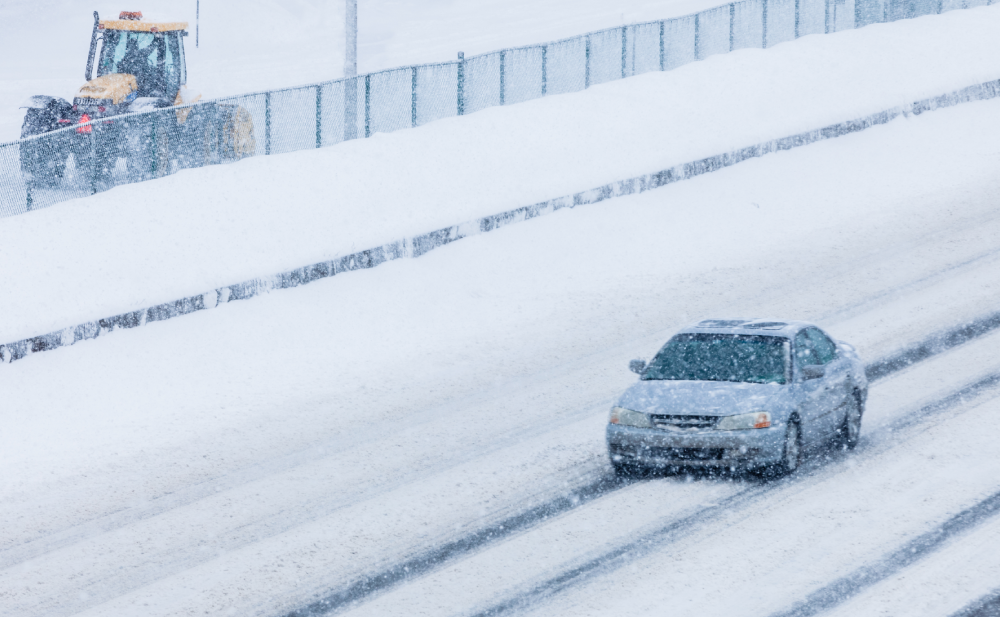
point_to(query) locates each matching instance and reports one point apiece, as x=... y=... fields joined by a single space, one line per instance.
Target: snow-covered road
x=442 y=396
x=426 y=437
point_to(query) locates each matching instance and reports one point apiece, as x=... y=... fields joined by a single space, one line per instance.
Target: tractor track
x=375 y=583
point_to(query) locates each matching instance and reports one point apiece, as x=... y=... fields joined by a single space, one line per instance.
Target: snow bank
x=419 y=245
x=140 y=245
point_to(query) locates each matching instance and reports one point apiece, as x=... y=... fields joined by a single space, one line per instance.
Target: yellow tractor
x=141 y=67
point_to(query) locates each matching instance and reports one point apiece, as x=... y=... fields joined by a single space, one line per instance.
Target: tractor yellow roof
x=138 y=25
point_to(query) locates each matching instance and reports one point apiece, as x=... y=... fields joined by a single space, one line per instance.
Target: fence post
x=624 y=51
x=413 y=97
x=92 y=138
x=826 y=17
x=267 y=124
x=461 y=83
x=697 y=36
x=586 y=75
x=763 y=19
x=545 y=76
x=368 y=106
x=796 y=18
x=662 y=56
x=350 y=108
x=155 y=145
x=732 y=25
x=29 y=202
x=503 y=84
x=319 y=115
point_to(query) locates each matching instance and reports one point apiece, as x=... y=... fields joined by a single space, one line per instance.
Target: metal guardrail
x=84 y=159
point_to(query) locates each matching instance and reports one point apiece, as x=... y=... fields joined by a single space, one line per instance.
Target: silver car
x=738 y=393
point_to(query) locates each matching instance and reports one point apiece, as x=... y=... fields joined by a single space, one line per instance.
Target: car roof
x=760 y=327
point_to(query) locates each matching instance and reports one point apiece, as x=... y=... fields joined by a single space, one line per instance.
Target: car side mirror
x=637 y=366
x=813 y=371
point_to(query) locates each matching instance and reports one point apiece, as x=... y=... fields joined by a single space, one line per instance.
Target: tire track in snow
x=344 y=597
x=676 y=529
x=987 y=606
x=431 y=560
x=913 y=551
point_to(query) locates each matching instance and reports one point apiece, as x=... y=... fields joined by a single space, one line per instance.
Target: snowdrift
x=141 y=245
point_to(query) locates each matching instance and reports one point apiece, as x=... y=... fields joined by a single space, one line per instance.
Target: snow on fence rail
x=83 y=159
x=418 y=245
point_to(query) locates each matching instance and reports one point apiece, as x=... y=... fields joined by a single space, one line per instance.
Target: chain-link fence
x=85 y=158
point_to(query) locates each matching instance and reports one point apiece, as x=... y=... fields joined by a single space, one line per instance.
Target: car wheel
x=850 y=430
x=791 y=453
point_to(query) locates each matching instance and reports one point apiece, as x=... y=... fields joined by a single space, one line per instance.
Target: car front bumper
x=652 y=447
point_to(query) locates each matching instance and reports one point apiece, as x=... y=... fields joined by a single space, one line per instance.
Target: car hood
x=698 y=398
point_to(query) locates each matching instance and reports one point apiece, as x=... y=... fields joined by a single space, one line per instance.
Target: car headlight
x=627 y=417
x=758 y=419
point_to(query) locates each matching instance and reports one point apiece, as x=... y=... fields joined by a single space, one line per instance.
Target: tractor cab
x=141 y=65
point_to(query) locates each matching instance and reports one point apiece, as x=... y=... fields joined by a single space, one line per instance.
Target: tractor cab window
x=153 y=59
x=173 y=63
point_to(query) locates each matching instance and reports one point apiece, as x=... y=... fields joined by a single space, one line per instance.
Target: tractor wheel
x=190 y=142
x=147 y=147
x=43 y=159
x=96 y=159
x=236 y=135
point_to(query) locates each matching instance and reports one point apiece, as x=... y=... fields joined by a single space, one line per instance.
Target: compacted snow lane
x=616 y=529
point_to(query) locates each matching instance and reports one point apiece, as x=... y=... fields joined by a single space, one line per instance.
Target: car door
x=835 y=379
x=811 y=394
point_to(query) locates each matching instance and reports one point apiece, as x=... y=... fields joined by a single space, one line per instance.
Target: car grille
x=683 y=423
x=685 y=454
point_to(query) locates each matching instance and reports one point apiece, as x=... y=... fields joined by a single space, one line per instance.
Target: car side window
x=826 y=351
x=805 y=351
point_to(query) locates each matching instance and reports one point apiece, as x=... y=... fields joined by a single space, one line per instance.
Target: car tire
x=850 y=430
x=791 y=452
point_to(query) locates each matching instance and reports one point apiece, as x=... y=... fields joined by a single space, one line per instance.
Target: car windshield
x=720 y=357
